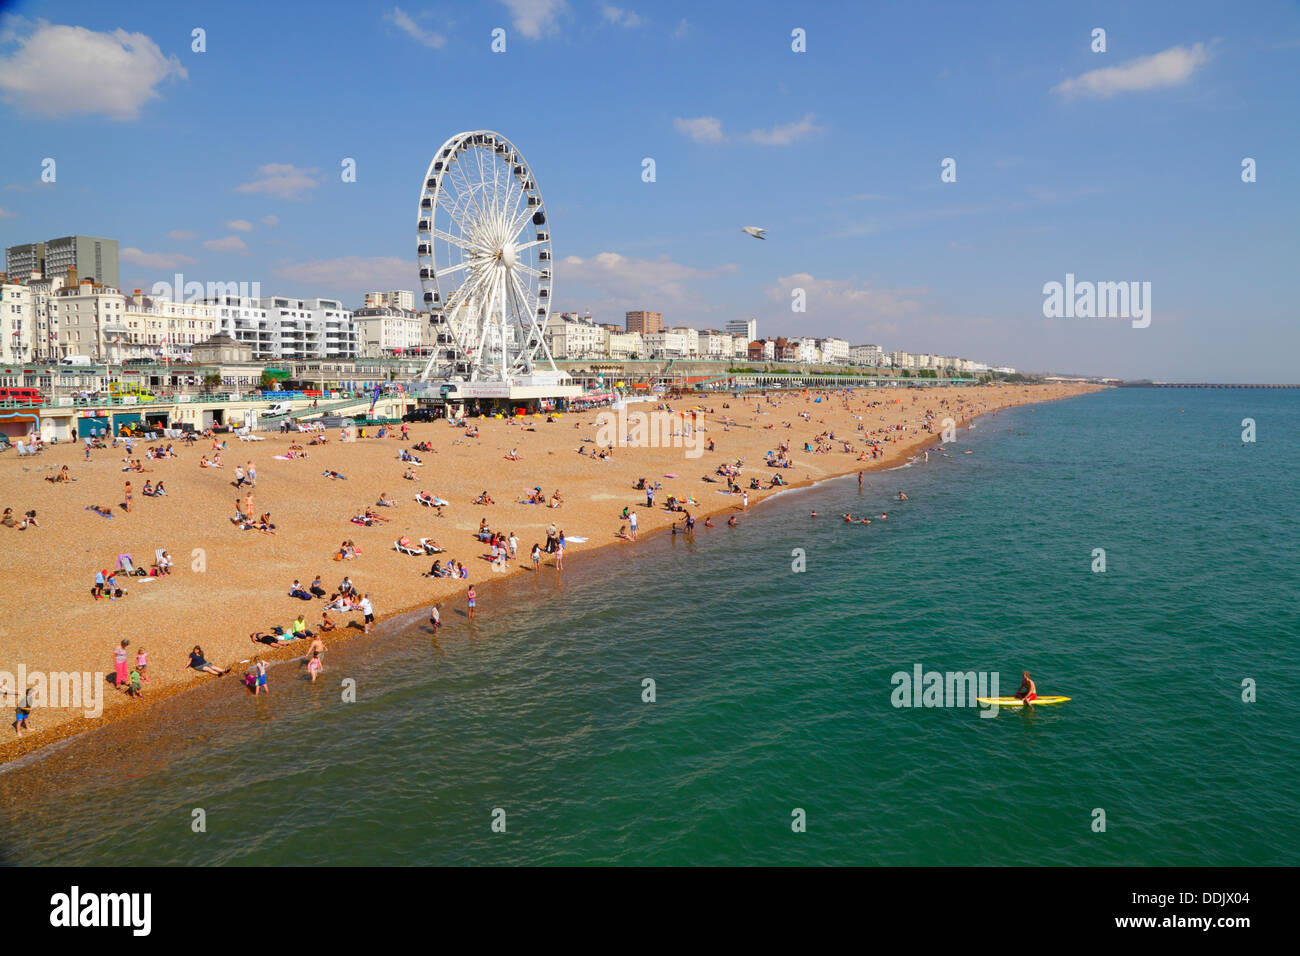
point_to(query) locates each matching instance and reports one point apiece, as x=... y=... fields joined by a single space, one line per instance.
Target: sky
x=827 y=124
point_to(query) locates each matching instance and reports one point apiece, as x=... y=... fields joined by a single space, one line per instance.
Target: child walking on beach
x=141 y=662
x=261 y=678
x=471 y=596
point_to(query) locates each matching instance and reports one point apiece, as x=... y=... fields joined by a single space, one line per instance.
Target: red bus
x=21 y=396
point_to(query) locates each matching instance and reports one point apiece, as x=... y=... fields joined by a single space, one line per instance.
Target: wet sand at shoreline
x=227 y=583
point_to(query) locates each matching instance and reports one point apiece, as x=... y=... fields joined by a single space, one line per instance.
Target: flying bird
x=755 y=232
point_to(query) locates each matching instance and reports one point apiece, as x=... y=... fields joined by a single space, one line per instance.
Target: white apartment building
x=870 y=355
x=835 y=351
x=716 y=345
x=746 y=327
x=161 y=328
x=690 y=340
x=669 y=343
x=809 y=352
x=240 y=317
x=387 y=330
x=626 y=345
x=571 y=336
x=306 y=329
x=902 y=360
x=17 y=324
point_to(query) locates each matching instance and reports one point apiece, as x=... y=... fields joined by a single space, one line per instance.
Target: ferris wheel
x=484 y=251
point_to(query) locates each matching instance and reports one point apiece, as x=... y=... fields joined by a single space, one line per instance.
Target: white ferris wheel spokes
x=484 y=253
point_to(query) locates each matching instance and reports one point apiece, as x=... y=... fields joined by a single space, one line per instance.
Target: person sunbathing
x=373 y=515
x=404 y=543
x=384 y=501
x=147 y=491
x=325 y=623
x=159 y=491
x=484 y=499
x=409 y=475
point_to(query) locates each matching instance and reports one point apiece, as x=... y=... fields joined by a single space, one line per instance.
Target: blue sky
x=1115 y=166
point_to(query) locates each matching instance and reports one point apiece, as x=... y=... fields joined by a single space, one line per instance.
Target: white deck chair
x=417 y=552
x=429 y=548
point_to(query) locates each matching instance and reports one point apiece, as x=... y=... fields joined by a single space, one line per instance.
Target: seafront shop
x=61 y=423
x=458 y=399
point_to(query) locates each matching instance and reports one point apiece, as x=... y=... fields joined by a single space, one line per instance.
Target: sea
x=737 y=697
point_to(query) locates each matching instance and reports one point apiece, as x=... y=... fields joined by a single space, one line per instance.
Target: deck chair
x=397 y=546
x=430 y=549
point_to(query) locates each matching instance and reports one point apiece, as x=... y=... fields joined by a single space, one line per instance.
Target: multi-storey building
x=388 y=330
x=92 y=256
x=306 y=329
x=399 y=299
x=17 y=324
x=644 y=322
x=573 y=336
x=667 y=344
x=626 y=345
x=871 y=355
x=743 y=327
x=834 y=351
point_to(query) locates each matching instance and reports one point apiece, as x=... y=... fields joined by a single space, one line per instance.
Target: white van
x=75 y=360
x=278 y=409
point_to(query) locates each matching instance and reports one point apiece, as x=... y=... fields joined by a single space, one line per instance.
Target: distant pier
x=1197 y=385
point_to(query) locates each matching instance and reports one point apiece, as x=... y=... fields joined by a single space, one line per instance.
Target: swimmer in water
x=883 y=516
x=848 y=518
x=902 y=497
x=814 y=514
x=864 y=521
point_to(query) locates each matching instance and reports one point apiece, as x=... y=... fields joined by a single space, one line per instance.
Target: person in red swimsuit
x=1027 y=691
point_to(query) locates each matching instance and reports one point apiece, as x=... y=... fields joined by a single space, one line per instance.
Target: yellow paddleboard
x=1017 y=702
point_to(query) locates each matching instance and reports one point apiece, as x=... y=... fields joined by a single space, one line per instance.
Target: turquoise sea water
x=774 y=688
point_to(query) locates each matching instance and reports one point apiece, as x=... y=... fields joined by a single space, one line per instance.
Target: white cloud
x=846 y=306
x=271 y=221
x=708 y=129
x=182 y=234
x=403 y=22
x=282 y=180
x=702 y=129
x=63 y=70
x=1171 y=67
x=784 y=135
x=628 y=279
x=534 y=18
x=154 y=260
x=239 y=225
x=352 y=273
x=228 y=244
x=681 y=29
x=620 y=17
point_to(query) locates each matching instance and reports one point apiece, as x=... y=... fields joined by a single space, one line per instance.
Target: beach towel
x=574 y=539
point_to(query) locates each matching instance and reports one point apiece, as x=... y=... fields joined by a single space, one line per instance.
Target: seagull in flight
x=756 y=232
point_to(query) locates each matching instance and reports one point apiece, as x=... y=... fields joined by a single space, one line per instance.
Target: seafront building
x=644 y=322
x=388 y=330
x=94 y=257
